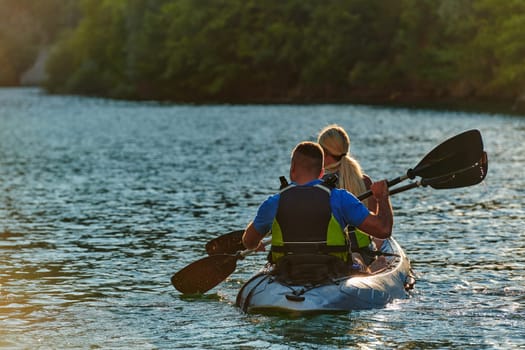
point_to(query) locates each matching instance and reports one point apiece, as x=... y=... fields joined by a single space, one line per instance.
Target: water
x=102 y=201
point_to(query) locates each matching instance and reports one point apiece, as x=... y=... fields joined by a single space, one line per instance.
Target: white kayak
x=266 y=293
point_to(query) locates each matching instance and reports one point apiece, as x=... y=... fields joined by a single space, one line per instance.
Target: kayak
x=457 y=162
x=265 y=292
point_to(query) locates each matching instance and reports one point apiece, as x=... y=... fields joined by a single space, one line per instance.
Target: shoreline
x=443 y=104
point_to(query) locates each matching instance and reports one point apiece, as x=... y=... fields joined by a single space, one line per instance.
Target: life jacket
x=358 y=239
x=304 y=224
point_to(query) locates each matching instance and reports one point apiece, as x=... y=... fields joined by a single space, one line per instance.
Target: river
x=101 y=201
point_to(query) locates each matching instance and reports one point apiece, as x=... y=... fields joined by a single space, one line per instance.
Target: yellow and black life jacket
x=358 y=239
x=304 y=224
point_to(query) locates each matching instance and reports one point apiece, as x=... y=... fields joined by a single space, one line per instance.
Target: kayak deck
x=263 y=293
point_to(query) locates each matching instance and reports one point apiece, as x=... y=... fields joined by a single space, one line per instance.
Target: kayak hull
x=263 y=293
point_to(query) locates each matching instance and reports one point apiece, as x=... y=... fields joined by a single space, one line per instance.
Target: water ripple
x=101 y=201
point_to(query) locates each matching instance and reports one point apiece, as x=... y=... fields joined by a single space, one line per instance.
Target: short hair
x=309 y=157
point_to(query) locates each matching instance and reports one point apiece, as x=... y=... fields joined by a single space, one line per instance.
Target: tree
x=27 y=26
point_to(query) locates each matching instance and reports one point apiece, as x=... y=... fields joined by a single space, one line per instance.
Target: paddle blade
x=453 y=154
x=467 y=177
x=204 y=274
x=229 y=243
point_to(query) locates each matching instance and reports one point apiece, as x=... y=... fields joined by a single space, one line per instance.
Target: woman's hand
x=379 y=189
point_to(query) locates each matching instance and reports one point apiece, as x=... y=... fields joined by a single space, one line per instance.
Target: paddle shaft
x=411 y=174
x=244 y=253
x=472 y=174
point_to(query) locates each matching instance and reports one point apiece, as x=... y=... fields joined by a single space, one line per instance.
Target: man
x=307 y=217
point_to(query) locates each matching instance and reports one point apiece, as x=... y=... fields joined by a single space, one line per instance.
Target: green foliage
x=294 y=50
x=498 y=47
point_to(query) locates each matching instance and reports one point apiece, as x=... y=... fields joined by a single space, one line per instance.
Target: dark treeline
x=290 y=51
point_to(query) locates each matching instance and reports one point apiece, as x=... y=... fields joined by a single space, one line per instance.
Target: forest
x=449 y=52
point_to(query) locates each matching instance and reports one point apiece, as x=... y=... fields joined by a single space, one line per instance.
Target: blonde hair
x=334 y=140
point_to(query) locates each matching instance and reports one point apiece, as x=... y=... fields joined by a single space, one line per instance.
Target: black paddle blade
x=453 y=154
x=204 y=274
x=229 y=243
x=462 y=178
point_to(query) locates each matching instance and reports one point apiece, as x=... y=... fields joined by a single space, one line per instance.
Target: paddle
x=204 y=274
x=462 y=178
x=465 y=177
x=458 y=152
x=228 y=243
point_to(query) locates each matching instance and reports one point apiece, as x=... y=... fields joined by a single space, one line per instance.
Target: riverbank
x=459 y=105
x=509 y=107
x=35 y=77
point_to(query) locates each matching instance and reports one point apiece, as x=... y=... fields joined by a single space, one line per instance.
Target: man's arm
x=264 y=218
x=251 y=238
x=380 y=224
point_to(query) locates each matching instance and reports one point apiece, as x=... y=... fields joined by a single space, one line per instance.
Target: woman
x=336 y=145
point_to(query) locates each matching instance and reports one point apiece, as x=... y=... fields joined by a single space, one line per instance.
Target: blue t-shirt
x=346 y=208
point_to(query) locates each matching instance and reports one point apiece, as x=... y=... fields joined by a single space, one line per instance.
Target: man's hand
x=261 y=247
